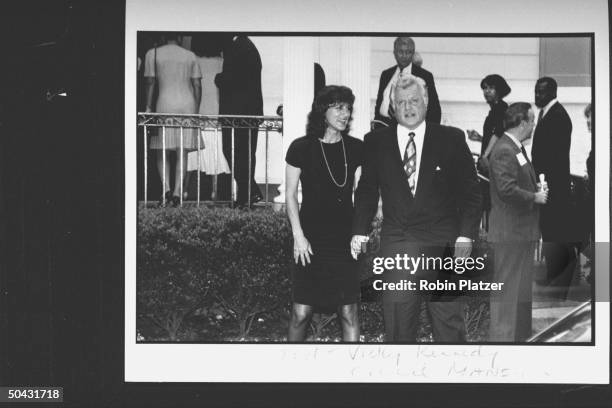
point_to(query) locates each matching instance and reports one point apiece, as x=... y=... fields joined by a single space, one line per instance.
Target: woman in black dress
x=494 y=89
x=324 y=161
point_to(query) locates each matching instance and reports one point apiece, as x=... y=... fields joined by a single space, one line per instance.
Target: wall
x=458 y=65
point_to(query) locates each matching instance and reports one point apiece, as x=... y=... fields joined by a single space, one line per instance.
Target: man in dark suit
x=551 y=156
x=403 y=50
x=240 y=94
x=513 y=226
x=431 y=206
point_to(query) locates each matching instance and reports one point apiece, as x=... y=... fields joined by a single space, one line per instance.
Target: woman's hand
x=301 y=250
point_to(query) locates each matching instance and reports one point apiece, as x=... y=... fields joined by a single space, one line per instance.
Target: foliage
x=217 y=274
x=232 y=260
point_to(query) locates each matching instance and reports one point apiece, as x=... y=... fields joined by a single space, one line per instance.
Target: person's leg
x=447 y=320
x=300 y=317
x=402 y=319
x=160 y=169
x=224 y=184
x=241 y=166
x=255 y=191
x=524 y=318
x=179 y=172
x=349 y=319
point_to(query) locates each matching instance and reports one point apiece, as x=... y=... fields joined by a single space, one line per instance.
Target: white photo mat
x=371 y=362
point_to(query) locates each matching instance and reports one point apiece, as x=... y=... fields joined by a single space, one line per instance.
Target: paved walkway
x=551 y=303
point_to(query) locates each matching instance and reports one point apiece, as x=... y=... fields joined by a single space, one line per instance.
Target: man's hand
x=463 y=247
x=541 y=197
x=356 y=242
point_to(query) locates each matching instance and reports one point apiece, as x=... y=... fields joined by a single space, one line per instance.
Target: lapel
x=427 y=162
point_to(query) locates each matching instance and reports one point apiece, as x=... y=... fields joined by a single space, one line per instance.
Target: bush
x=203 y=273
x=236 y=261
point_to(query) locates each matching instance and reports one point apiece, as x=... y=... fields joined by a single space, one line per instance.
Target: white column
x=355 y=73
x=298 y=92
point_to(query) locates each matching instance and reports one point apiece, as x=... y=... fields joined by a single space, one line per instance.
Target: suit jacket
x=514 y=214
x=434 y=113
x=240 y=81
x=447 y=202
x=551 y=155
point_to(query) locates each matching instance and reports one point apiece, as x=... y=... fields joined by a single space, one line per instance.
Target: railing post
x=199 y=166
x=232 y=172
x=182 y=165
x=249 y=172
x=164 y=165
x=146 y=159
x=267 y=159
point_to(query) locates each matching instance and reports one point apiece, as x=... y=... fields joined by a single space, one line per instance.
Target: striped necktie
x=409 y=162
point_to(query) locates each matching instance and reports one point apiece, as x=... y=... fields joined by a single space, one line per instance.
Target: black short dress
x=332 y=277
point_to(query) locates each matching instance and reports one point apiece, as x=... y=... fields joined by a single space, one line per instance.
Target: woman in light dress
x=211 y=159
x=176 y=72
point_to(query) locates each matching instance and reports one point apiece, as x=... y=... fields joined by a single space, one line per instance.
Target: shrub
x=190 y=257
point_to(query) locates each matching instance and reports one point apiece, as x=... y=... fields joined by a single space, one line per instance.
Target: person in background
x=514 y=228
x=210 y=160
x=177 y=74
x=403 y=51
x=550 y=154
x=590 y=203
x=494 y=89
x=326 y=278
x=239 y=86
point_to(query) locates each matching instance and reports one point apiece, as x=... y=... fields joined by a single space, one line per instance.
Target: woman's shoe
x=168 y=199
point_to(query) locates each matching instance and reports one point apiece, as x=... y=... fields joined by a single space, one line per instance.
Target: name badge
x=521 y=159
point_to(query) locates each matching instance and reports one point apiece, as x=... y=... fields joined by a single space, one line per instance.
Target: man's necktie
x=540 y=115
x=409 y=161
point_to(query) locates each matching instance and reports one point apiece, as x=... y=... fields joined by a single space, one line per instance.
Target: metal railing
x=203 y=123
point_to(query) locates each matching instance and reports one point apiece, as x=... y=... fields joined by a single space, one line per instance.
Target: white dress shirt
x=387 y=94
x=547 y=107
x=402 y=142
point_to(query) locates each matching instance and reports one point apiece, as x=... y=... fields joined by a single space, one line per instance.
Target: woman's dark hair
x=498 y=82
x=326 y=97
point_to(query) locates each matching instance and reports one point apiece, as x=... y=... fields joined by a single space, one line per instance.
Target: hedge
x=232 y=265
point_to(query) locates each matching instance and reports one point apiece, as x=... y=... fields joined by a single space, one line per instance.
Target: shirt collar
x=407 y=69
x=419 y=131
x=548 y=106
x=515 y=140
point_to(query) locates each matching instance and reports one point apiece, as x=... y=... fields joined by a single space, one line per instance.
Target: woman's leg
x=300 y=317
x=349 y=318
x=160 y=169
x=180 y=171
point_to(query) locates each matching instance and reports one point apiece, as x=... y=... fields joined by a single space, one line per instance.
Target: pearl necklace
x=345 y=163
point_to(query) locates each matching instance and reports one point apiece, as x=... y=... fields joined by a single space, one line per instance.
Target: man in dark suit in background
x=240 y=94
x=513 y=226
x=551 y=156
x=403 y=50
x=431 y=205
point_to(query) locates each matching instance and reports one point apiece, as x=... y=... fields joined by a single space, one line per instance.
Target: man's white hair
x=406 y=81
